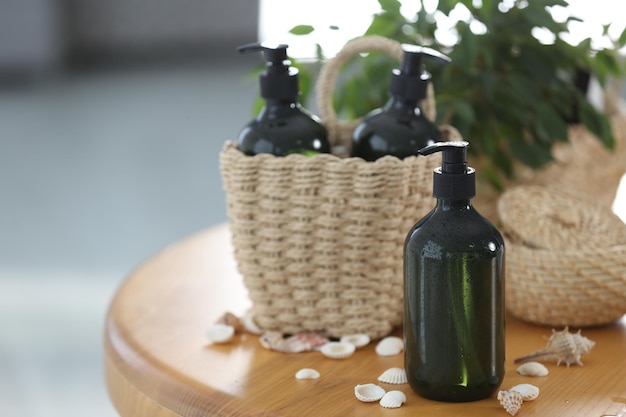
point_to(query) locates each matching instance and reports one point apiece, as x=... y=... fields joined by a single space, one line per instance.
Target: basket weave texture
x=319 y=240
x=566 y=258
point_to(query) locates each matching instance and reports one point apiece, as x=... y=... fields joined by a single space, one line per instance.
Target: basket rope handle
x=339 y=132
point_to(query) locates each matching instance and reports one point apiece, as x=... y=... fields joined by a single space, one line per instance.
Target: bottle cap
x=411 y=79
x=279 y=80
x=453 y=179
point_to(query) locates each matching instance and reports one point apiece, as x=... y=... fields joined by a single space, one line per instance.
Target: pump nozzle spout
x=275 y=54
x=454 y=155
x=410 y=80
x=279 y=81
x=414 y=55
x=454 y=179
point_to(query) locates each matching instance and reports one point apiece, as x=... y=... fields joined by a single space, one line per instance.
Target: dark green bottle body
x=283 y=127
x=454 y=312
x=399 y=129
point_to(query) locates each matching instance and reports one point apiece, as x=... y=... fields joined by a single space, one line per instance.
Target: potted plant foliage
x=509 y=91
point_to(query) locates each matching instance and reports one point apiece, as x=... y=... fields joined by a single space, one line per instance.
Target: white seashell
x=393 y=399
x=220 y=333
x=393 y=376
x=563 y=346
x=250 y=325
x=390 y=346
x=337 y=350
x=231 y=320
x=358 y=339
x=368 y=393
x=511 y=401
x=532 y=369
x=300 y=342
x=307 y=373
x=529 y=392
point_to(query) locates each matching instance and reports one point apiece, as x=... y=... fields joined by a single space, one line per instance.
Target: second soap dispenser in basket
x=400 y=128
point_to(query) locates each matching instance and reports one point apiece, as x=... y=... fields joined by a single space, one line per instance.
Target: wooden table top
x=158 y=361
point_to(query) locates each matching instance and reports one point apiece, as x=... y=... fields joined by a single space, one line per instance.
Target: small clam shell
x=393 y=376
x=358 y=339
x=220 y=333
x=368 y=393
x=307 y=373
x=337 y=350
x=393 y=399
x=231 y=320
x=250 y=325
x=532 y=369
x=389 y=346
x=301 y=342
x=529 y=392
x=511 y=401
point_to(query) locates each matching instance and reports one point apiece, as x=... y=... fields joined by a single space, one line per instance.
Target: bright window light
x=351 y=18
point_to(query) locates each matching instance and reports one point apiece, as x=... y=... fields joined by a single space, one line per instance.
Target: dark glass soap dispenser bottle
x=454 y=290
x=400 y=127
x=283 y=126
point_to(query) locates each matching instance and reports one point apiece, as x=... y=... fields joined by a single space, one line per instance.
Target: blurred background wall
x=112 y=116
x=37 y=36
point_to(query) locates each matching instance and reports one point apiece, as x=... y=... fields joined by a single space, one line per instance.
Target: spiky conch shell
x=563 y=346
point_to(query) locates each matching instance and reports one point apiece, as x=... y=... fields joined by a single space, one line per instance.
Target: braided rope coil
x=566 y=258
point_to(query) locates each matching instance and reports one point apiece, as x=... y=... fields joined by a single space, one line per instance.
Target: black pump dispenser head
x=453 y=179
x=279 y=81
x=411 y=80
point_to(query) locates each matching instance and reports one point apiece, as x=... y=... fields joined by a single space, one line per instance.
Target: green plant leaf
x=301 y=30
x=622 y=39
x=444 y=6
x=391 y=6
x=383 y=25
x=532 y=155
x=597 y=123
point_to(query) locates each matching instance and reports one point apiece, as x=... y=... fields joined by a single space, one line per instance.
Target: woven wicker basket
x=566 y=258
x=319 y=240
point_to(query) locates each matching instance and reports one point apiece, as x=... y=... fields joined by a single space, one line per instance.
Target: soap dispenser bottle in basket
x=454 y=290
x=400 y=128
x=283 y=126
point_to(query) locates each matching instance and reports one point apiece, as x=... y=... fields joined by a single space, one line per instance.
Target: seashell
x=220 y=333
x=532 y=369
x=393 y=399
x=511 y=401
x=389 y=346
x=337 y=350
x=563 y=346
x=301 y=342
x=368 y=393
x=393 y=376
x=358 y=339
x=250 y=325
x=529 y=392
x=307 y=373
x=230 y=319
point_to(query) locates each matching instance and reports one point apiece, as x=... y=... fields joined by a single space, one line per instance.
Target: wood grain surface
x=158 y=362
